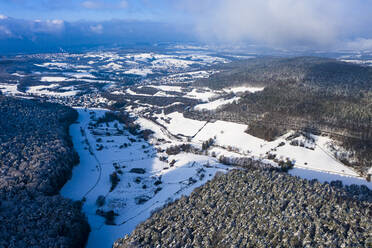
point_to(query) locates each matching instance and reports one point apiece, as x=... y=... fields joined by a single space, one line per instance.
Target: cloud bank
x=283 y=23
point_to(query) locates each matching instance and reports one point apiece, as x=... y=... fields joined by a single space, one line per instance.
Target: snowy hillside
x=149 y=176
x=146 y=183
x=170 y=140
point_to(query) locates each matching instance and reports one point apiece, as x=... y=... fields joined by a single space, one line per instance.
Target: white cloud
x=91 y=5
x=123 y=4
x=55 y=22
x=48 y=26
x=53 y=26
x=360 y=44
x=283 y=23
x=98 y=29
x=105 y=5
x=5 y=31
x=3 y=17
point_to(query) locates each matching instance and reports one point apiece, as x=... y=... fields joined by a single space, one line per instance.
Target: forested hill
x=312 y=71
x=36 y=159
x=259 y=209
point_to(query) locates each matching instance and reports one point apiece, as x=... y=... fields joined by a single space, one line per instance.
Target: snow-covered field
x=48 y=90
x=326 y=177
x=136 y=195
x=233 y=135
x=314 y=155
x=149 y=178
x=9 y=89
x=168 y=88
x=80 y=75
x=166 y=61
x=215 y=104
x=358 y=61
x=201 y=94
x=115 y=67
x=54 y=65
x=139 y=72
x=53 y=79
x=244 y=89
x=177 y=124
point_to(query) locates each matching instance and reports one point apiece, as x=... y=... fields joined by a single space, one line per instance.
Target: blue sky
x=93 y=10
x=288 y=24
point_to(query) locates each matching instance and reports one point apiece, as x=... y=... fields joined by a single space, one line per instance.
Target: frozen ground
x=53 y=79
x=9 y=89
x=244 y=89
x=201 y=94
x=177 y=124
x=80 y=75
x=312 y=154
x=109 y=148
x=168 y=88
x=118 y=67
x=87 y=71
x=216 y=104
x=357 y=61
x=139 y=72
x=48 y=90
x=136 y=195
x=326 y=177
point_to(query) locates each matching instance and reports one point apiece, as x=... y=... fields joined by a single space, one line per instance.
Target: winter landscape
x=164 y=141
